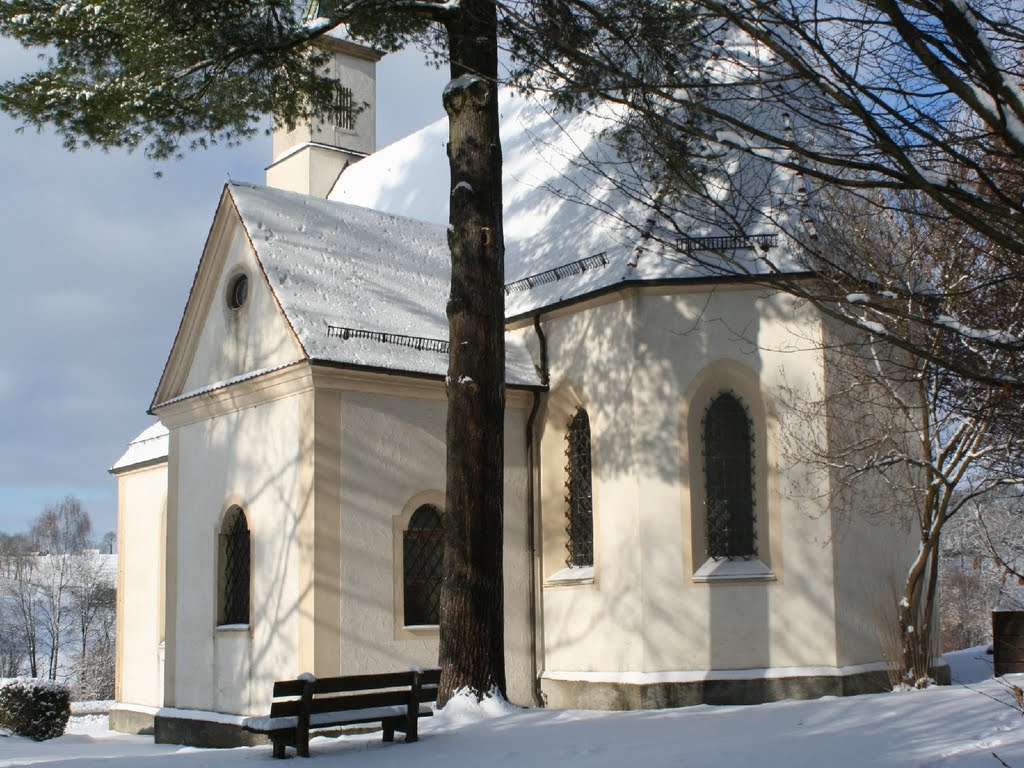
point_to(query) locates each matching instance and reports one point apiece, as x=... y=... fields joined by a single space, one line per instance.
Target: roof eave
x=622 y=285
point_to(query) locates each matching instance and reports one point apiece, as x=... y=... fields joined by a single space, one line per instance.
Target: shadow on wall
x=633 y=367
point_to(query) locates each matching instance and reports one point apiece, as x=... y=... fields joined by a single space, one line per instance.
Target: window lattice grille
x=345 y=114
x=579 y=493
x=422 y=559
x=729 y=480
x=236 y=570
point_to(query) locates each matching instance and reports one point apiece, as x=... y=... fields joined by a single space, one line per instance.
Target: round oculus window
x=238 y=292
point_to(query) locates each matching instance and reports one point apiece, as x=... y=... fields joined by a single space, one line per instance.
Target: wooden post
x=412 y=715
x=302 y=728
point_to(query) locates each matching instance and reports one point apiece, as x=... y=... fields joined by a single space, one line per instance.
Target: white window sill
x=421 y=630
x=733 y=570
x=571 y=576
x=232 y=627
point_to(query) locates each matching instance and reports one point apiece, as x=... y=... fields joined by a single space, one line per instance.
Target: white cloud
x=96 y=261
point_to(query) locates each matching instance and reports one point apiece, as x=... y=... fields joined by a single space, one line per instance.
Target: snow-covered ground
x=961 y=725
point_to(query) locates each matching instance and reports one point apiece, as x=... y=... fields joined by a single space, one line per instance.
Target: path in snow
x=954 y=726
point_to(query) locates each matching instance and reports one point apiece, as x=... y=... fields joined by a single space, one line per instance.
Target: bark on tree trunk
x=472 y=615
x=915 y=611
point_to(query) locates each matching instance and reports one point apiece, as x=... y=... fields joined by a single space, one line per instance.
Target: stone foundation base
x=590 y=694
x=131 y=721
x=204 y=733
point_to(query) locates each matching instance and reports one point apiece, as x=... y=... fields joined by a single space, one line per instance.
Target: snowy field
x=960 y=725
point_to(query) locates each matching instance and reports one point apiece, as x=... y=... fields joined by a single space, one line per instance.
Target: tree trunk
x=930 y=589
x=915 y=612
x=472 y=615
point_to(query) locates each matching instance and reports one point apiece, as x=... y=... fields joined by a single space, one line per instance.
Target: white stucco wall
x=260 y=459
x=237 y=341
x=142 y=500
x=592 y=363
x=303 y=158
x=380 y=478
x=865 y=518
x=311 y=170
x=359 y=75
x=634 y=362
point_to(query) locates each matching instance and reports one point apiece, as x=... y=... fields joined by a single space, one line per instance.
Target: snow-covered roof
x=339 y=270
x=566 y=196
x=148 y=448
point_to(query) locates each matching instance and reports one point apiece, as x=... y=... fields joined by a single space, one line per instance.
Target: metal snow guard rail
x=551 y=275
x=398 y=339
x=723 y=243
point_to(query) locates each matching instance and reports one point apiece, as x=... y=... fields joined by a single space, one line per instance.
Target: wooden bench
x=394 y=699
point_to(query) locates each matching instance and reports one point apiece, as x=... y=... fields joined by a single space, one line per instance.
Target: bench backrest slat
x=288 y=688
x=287 y=708
x=428 y=693
x=350 y=692
x=363 y=682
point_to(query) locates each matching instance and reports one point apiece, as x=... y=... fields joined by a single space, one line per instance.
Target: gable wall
x=259 y=458
x=635 y=362
x=234 y=342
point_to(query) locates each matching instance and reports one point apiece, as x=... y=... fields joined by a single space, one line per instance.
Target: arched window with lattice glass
x=234 y=568
x=729 y=479
x=422 y=559
x=579 y=493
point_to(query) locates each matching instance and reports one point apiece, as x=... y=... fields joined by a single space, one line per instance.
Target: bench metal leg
x=279 y=749
x=412 y=729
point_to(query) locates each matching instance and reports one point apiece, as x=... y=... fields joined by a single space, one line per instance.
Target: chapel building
x=285 y=514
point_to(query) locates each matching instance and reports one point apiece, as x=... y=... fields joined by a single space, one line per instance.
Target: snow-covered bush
x=35 y=708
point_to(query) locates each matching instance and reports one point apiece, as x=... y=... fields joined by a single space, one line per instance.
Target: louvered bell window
x=344 y=109
x=422 y=559
x=235 y=560
x=729 y=479
x=579 y=493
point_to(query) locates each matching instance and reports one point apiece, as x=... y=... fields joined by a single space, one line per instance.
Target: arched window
x=234 y=568
x=729 y=479
x=422 y=558
x=579 y=493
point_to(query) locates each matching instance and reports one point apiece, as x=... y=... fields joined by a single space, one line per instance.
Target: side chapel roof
x=150 y=447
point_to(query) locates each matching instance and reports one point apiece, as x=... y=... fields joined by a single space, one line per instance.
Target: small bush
x=35 y=708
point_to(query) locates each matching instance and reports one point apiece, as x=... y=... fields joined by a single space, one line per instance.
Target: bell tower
x=310 y=158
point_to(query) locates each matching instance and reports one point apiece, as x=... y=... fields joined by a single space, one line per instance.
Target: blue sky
x=96 y=258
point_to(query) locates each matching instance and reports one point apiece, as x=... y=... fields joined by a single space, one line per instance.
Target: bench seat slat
x=368 y=715
x=268 y=724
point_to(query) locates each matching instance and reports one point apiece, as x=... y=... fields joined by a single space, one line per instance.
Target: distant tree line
x=57 y=602
x=982 y=568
